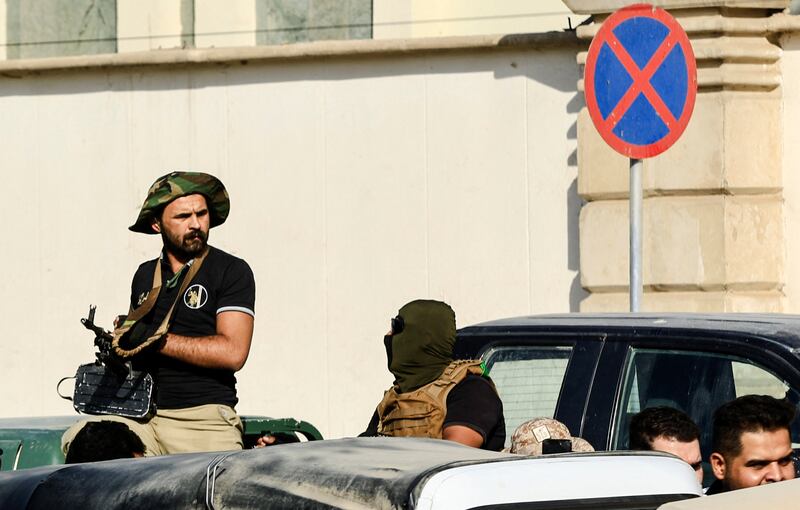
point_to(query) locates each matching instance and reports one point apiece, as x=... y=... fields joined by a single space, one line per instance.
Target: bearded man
x=190 y=322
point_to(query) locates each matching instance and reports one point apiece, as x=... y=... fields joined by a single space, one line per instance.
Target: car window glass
x=752 y=380
x=528 y=380
x=696 y=383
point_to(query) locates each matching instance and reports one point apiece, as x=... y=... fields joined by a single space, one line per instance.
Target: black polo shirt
x=223 y=283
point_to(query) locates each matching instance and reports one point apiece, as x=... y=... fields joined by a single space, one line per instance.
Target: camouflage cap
x=529 y=436
x=178 y=184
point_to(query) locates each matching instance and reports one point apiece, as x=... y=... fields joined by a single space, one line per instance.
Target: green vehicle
x=33 y=442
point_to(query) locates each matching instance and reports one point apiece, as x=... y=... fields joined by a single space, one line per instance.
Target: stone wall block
x=754 y=242
x=686 y=241
x=603 y=234
x=710 y=243
x=692 y=302
x=753 y=148
x=732 y=143
x=683 y=243
x=694 y=163
x=602 y=172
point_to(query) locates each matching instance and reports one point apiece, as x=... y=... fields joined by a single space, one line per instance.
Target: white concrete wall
x=356 y=185
x=395 y=19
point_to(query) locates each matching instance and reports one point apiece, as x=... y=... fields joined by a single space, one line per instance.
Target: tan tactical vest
x=421 y=413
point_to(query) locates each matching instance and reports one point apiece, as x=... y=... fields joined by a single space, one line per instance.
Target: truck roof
x=781 y=328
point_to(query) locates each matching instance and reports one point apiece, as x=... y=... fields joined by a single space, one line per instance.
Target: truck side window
x=528 y=380
x=694 y=382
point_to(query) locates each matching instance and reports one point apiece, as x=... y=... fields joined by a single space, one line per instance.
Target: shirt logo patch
x=142 y=298
x=195 y=296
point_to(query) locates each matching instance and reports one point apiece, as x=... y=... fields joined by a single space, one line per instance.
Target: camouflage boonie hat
x=178 y=184
x=529 y=436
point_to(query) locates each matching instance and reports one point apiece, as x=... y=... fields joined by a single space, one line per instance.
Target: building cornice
x=718 y=24
x=608 y=6
x=292 y=52
x=733 y=53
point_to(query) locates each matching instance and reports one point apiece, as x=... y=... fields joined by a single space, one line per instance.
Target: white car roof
x=578 y=477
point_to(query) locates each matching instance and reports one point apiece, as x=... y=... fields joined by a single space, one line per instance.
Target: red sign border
x=606 y=132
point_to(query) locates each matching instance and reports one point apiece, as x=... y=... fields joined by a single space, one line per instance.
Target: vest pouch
x=100 y=390
x=411 y=417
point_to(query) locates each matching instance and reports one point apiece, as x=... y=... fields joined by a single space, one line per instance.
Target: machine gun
x=105 y=352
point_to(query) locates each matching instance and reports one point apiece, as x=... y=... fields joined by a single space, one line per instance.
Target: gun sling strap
x=123 y=332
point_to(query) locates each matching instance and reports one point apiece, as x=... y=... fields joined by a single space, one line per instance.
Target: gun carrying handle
x=58 y=387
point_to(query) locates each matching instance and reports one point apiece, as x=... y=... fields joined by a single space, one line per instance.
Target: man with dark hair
x=190 y=321
x=433 y=395
x=104 y=440
x=666 y=429
x=752 y=444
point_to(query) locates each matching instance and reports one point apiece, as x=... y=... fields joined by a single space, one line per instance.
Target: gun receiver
x=102 y=340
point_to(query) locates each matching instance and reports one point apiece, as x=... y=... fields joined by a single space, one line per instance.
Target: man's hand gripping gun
x=105 y=352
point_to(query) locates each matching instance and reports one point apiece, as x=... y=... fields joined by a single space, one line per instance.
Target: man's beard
x=186 y=247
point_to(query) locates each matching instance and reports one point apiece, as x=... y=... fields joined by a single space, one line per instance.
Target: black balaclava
x=419 y=353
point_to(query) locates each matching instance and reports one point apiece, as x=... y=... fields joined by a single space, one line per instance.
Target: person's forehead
x=187 y=202
x=765 y=444
x=674 y=446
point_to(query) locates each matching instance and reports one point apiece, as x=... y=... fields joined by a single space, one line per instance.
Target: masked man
x=434 y=396
x=190 y=322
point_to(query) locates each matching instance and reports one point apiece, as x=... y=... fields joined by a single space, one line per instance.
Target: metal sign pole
x=635 y=255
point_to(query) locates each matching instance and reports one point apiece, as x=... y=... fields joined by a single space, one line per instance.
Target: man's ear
x=717 y=465
x=155 y=225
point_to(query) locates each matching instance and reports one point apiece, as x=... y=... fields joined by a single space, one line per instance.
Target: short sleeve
x=238 y=289
x=141 y=284
x=474 y=403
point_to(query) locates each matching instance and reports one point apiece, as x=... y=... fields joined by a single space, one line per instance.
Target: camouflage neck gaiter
x=424 y=348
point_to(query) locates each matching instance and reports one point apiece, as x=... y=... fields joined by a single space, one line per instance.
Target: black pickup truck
x=593 y=372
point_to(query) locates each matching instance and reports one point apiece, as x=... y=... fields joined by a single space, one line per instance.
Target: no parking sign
x=640 y=81
x=640 y=84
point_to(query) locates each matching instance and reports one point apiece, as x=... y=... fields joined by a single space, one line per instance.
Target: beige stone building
x=447 y=159
x=719 y=222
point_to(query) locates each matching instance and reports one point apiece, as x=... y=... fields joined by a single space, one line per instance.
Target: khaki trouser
x=206 y=428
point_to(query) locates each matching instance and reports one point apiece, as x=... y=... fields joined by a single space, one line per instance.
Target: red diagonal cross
x=641 y=80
